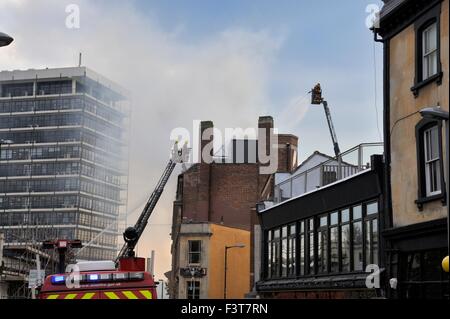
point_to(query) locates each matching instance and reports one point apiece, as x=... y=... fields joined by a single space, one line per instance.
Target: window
x=310 y=247
x=195 y=251
x=429 y=51
x=357 y=234
x=301 y=248
x=274 y=253
x=193 y=290
x=322 y=245
x=269 y=254
x=429 y=160
x=371 y=231
x=432 y=161
x=276 y=243
x=428 y=65
x=345 y=240
x=284 y=252
x=292 y=251
x=341 y=241
x=334 y=242
x=422 y=276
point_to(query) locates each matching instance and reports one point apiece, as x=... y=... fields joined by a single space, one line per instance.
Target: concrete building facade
x=63 y=161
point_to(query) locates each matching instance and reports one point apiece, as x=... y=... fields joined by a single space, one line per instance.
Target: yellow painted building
x=201 y=262
x=415 y=37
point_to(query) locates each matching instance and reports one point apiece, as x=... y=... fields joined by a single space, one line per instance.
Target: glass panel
x=322 y=254
x=276 y=233
x=334 y=218
x=372 y=208
x=284 y=257
x=323 y=221
x=345 y=233
x=285 y=191
x=430 y=36
x=357 y=212
x=193 y=290
x=357 y=246
x=434 y=143
x=413 y=267
x=292 y=256
x=269 y=258
x=432 y=58
x=375 y=241
x=334 y=249
x=311 y=253
x=368 y=243
x=194 y=251
x=292 y=230
x=284 y=231
x=345 y=215
x=302 y=254
x=276 y=257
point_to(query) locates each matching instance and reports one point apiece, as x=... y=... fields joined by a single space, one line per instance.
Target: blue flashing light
x=93 y=277
x=58 y=279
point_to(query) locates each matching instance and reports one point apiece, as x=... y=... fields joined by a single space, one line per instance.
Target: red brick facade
x=226 y=193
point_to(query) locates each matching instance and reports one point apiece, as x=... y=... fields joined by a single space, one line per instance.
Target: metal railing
x=349 y=163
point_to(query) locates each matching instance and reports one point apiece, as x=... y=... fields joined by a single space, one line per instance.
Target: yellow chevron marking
x=89 y=295
x=52 y=296
x=111 y=295
x=70 y=296
x=129 y=295
x=146 y=293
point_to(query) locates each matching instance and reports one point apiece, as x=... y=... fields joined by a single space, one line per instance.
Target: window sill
x=423 y=200
x=435 y=78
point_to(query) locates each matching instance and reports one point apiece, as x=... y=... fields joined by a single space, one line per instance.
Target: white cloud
x=222 y=78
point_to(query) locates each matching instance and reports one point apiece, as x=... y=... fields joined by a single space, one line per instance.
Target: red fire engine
x=123 y=278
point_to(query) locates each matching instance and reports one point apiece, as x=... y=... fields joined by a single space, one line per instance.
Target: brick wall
x=221 y=193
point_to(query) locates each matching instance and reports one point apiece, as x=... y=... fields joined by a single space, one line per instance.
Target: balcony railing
x=349 y=163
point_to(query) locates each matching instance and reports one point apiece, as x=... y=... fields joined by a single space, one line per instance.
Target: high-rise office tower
x=63 y=158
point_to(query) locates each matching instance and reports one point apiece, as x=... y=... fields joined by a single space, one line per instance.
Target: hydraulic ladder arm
x=316 y=99
x=132 y=234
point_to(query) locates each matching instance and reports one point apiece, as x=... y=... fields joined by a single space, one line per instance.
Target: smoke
x=222 y=77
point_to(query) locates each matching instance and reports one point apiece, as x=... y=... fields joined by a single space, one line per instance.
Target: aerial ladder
x=132 y=234
x=124 y=277
x=317 y=99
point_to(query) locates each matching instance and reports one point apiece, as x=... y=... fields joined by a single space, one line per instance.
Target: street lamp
x=436 y=113
x=225 y=277
x=5 y=39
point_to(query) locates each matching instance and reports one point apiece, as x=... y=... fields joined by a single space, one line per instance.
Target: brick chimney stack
x=266 y=123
